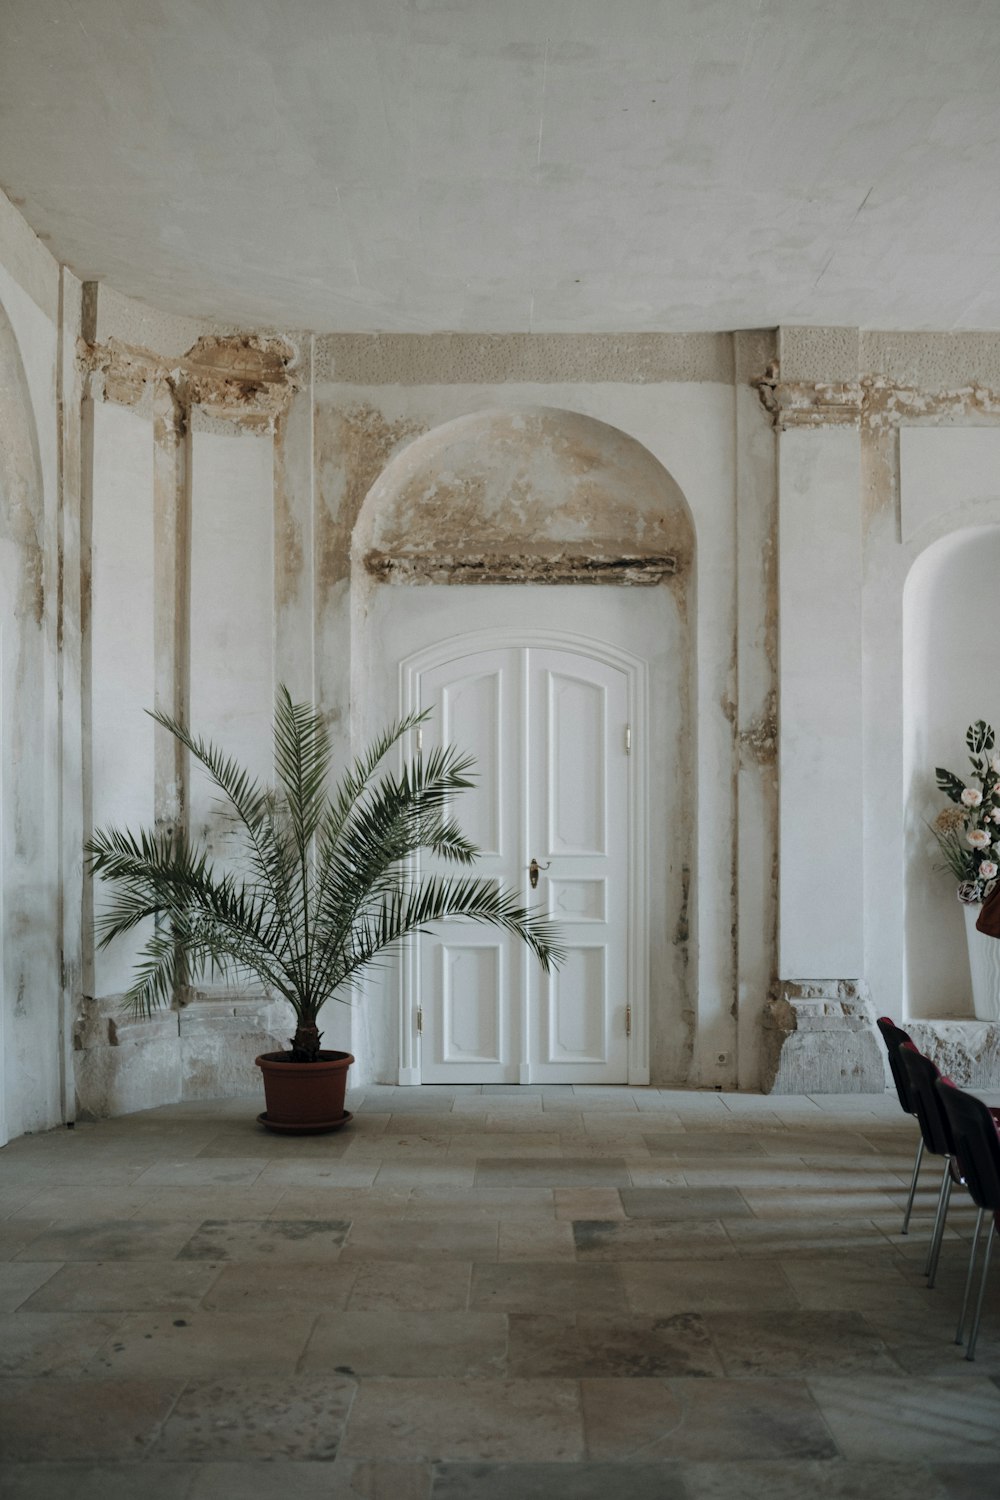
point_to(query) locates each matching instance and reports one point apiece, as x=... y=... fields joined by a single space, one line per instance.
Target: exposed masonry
x=245 y=378
x=518 y=567
x=871 y=402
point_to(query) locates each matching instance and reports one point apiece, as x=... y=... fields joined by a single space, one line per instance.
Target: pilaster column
x=815 y=397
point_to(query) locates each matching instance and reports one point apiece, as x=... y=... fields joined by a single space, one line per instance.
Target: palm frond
x=328 y=882
x=414 y=908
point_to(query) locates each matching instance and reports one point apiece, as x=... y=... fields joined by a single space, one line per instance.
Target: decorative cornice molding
x=248 y=379
x=870 y=402
x=802 y=403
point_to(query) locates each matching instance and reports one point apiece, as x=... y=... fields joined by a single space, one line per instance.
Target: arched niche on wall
x=951 y=677
x=532 y=501
x=525 y=495
x=28 y=943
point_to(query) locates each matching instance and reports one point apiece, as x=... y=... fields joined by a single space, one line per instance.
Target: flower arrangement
x=968 y=833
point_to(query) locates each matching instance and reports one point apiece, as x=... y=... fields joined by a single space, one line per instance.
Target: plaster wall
x=33 y=1018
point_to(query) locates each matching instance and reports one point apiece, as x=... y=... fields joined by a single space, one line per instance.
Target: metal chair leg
x=913 y=1186
x=970 y=1353
x=968 y=1277
x=942 y=1214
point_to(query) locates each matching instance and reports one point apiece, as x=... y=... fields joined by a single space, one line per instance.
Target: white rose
x=978 y=838
x=987 y=870
x=995 y=765
x=972 y=796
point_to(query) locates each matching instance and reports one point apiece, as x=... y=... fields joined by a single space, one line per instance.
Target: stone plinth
x=968 y=1052
x=820 y=1038
x=205 y=1050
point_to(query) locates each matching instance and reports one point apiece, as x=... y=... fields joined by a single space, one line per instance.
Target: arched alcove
x=531 y=495
x=951 y=677
x=543 y=505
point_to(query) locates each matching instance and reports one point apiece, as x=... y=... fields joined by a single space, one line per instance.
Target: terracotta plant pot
x=304 y=1097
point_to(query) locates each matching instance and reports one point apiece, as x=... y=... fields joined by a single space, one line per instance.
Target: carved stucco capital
x=804 y=403
x=248 y=379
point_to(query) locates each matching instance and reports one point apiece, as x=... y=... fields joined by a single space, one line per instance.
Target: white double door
x=551 y=730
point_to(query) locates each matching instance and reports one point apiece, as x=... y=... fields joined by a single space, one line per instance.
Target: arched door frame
x=455 y=647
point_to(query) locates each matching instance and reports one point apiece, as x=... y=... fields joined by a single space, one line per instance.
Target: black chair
x=921 y=1077
x=894 y=1037
x=975 y=1132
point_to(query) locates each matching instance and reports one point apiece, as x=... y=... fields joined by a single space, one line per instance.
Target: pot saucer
x=345 y=1119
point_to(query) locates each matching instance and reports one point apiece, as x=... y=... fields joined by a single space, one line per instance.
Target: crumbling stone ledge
x=820 y=1038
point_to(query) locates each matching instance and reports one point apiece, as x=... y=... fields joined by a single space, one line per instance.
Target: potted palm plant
x=327 y=884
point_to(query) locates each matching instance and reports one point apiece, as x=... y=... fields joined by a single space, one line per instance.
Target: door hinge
x=628 y=739
x=628 y=1020
x=420 y=740
x=420 y=1020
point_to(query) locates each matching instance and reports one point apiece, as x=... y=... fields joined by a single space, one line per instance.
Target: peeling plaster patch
x=290 y=546
x=518 y=567
x=353 y=447
x=246 y=378
x=872 y=402
x=535 y=359
x=759 y=740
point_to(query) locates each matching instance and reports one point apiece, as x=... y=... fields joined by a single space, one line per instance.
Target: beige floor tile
x=20 y=1279
x=280 y=1287
x=422 y=1239
x=588 y=1203
x=408 y=1344
x=796 y=1479
x=110 y=1239
x=527 y=1239
x=59 y=1345
x=267 y=1239
x=344 y=1479
x=411 y=1286
x=620 y=1346
x=798 y=1343
x=546 y=1286
x=106 y=1286
x=855 y=1282
x=704 y=1286
x=876 y=1417
x=254 y=1417
x=85 y=1202
x=702 y=1419
x=17 y=1234
x=187 y=1343
x=82 y=1419
x=618 y=1241
x=226 y=1172
x=485 y=1420
x=88 y=1481
x=425 y=1173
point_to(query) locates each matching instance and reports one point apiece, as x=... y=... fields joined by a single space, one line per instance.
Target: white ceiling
x=515 y=165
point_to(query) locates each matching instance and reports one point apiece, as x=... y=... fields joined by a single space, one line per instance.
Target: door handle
x=533 y=870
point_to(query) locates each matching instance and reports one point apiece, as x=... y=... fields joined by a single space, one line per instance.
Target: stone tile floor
x=544 y=1293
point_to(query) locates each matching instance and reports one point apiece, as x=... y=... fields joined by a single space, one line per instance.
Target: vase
x=304 y=1097
x=984 y=966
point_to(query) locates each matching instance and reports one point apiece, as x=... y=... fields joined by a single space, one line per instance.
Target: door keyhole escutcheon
x=533 y=870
